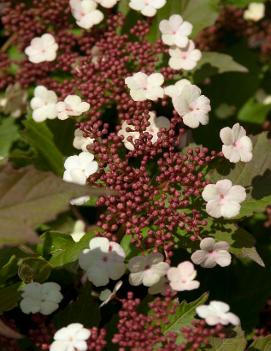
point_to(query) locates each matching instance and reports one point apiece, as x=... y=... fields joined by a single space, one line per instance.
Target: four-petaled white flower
x=129 y=135
x=175 y=31
x=79 y=167
x=41 y=298
x=147 y=7
x=156 y=124
x=71 y=106
x=184 y=58
x=107 y=3
x=78 y=230
x=217 y=312
x=80 y=142
x=43 y=104
x=212 y=253
x=42 y=49
x=143 y=87
x=85 y=12
x=254 y=12
x=103 y=260
x=181 y=278
x=223 y=198
x=191 y=105
x=147 y=270
x=237 y=145
x=71 y=338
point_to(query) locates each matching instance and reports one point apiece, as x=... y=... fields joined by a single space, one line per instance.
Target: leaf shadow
x=261 y=185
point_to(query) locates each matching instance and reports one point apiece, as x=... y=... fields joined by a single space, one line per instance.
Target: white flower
x=103 y=260
x=71 y=338
x=80 y=142
x=79 y=167
x=182 y=277
x=43 y=298
x=143 y=87
x=156 y=123
x=254 y=12
x=108 y=295
x=223 y=198
x=147 y=7
x=237 y=146
x=85 y=12
x=184 y=58
x=217 y=312
x=79 y=201
x=107 y=3
x=212 y=253
x=42 y=49
x=71 y=106
x=147 y=270
x=78 y=230
x=175 y=31
x=43 y=104
x=128 y=131
x=191 y=105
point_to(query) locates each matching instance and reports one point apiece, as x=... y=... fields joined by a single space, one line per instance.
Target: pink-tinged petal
x=210 y=193
x=80 y=345
x=136 y=279
x=185 y=29
x=238 y=131
x=99 y=243
x=194 y=284
x=210 y=261
x=212 y=320
x=186 y=269
x=190 y=119
x=226 y=136
x=155 y=93
x=137 y=264
x=219 y=307
x=221 y=245
x=213 y=208
x=237 y=193
x=180 y=41
x=230 y=209
x=165 y=27
x=223 y=186
x=232 y=318
x=198 y=256
x=231 y=153
x=150 y=277
x=207 y=244
x=149 y=11
x=172 y=273
x=223 y=258
x=157 y=3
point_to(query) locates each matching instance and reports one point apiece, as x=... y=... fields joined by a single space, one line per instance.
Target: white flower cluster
x=42 y=49
x=86 y=12
x=45 y=105
x=182 y=51
x=217 y=312
x=147 y=7
x=130 y=135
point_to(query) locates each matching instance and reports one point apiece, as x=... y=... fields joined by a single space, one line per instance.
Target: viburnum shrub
x=135 y=175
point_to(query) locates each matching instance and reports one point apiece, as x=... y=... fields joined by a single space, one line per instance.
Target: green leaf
x=34 y=269
x=254 y=175
x=242 y=243
x=253 y=112
x=238 y=343
x=33 y=197
x=39 y=136
x=8 y=134
x=261 y=344
x=222 y=62
x=84 y=310
x=62 y=248
x=9 y=297
x=183 y=316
